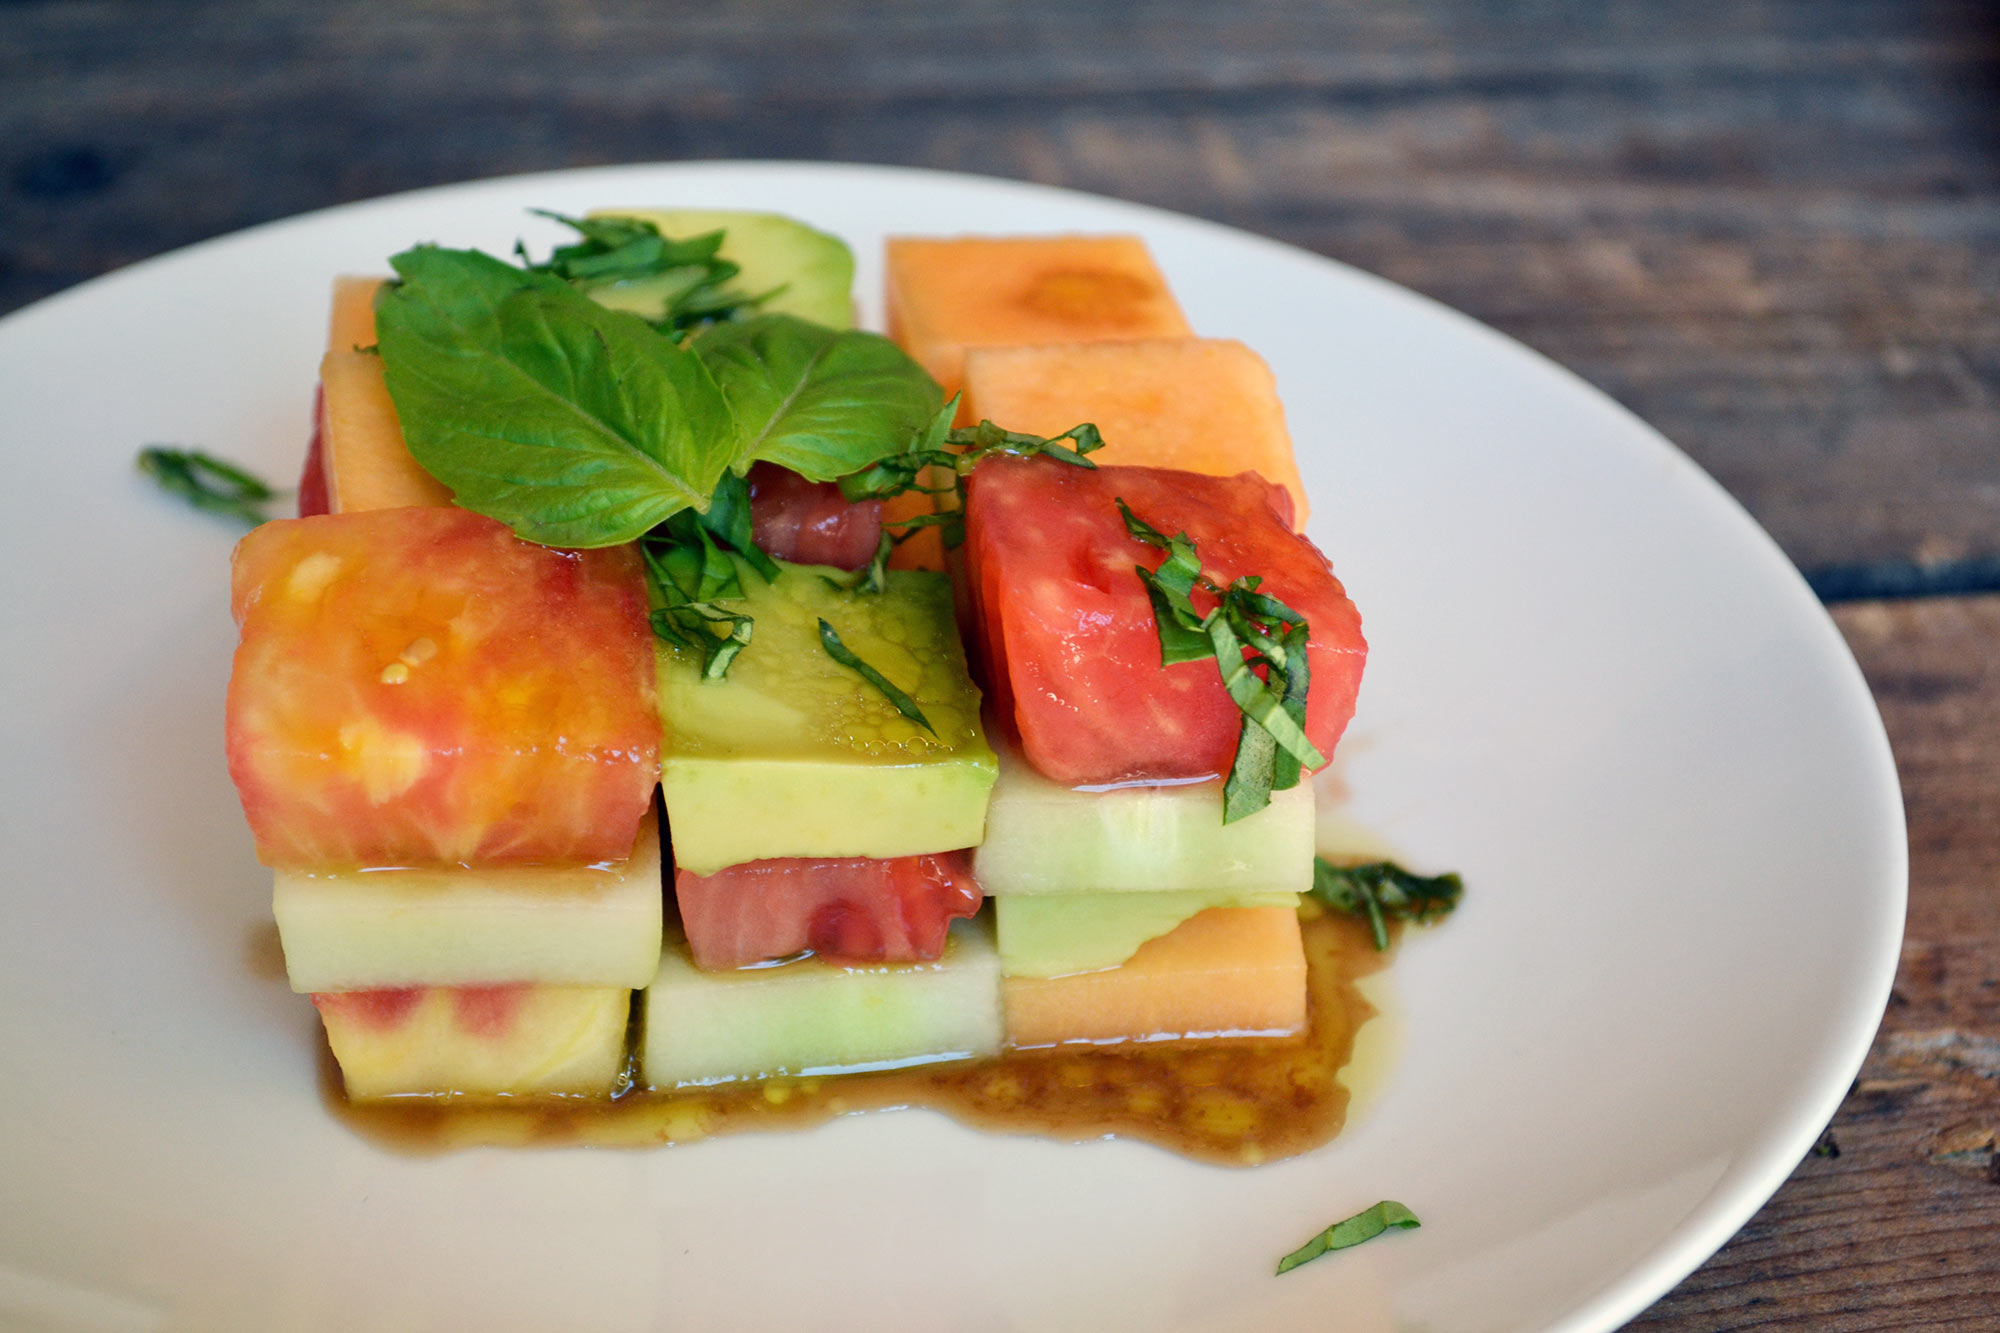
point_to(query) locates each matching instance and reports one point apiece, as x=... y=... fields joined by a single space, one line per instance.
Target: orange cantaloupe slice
x=367 y=464
x=353 y=321
x=923 y=548
x=1207 y=405
x=361 y=442
x=949 y=293
x=1229 y=969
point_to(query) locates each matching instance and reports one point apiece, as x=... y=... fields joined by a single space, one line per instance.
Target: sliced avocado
x=810 y=1017
x=1054 y=935
x=1043 y=837
x=810 y=273
x=793 y=754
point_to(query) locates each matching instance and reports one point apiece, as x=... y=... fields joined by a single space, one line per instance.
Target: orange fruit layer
x=361 y=441
x=1226 y=970
x=947 y=294
x=352 y=324
x=1207 y=405
x=419 y=687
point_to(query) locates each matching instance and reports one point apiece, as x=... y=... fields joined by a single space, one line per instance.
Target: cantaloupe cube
x=367 y=464
x=1229 y=970
x=949 y=293
x=1206 y=405
x=574 y=925
x=479 y=1040
x=353 y=321
x=811 y=1017
x=1055 y=935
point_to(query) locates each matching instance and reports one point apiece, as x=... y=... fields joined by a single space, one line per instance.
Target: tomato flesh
x=1066 y=634
x=895 y=910
x=418 y=687
x=811 y=522
x=313 y=498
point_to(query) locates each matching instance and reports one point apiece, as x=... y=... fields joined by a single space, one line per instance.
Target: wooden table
x=1772 y=230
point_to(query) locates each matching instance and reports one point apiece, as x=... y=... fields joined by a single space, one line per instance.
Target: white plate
x=1597 y=689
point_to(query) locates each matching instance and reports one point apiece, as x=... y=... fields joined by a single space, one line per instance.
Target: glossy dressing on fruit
x=1234 y=1101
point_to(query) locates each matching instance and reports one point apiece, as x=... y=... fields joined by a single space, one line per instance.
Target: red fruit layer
x=418 y=687
x=847 y=911
x=1066 y=637
x=811 y=523
x=480 y=1011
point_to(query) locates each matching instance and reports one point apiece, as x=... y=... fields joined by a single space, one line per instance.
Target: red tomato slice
x=381 y=1010
x=846 y=911
x=481 y=1011
x=313 y=498
x=1066 y=631
x=419 y=687
x=809 y=522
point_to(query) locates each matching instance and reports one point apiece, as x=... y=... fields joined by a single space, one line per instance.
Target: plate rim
x=1711 y=1223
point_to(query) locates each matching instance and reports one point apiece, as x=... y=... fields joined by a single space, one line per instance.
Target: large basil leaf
x=574 y=425
x=821 y=402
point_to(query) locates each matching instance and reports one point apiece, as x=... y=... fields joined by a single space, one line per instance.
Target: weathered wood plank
x=1898 y=1231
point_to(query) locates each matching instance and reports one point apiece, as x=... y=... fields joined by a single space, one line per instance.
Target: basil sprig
x=1382 y=891
x=208 y=482
x=574 y=425
x=841 y=653
x=1247 y=629
x=1364 y=1226
x=687 y=280
x=579 y=426
x=957 y=451
x=821 y=402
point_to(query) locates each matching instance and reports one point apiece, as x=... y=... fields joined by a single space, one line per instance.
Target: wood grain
x=1899 y=1230
x=1772 y=230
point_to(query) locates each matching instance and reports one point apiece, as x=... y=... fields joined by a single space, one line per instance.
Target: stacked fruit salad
x=662 y=673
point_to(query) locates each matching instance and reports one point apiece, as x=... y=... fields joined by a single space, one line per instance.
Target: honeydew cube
x=949 y=293
x=578 y=925
x=1045 y=837
x=794 y=755
x=1230 y=971
x=1207 y=405
x=487 y=1040
x=1053 y=935
x=809 y=1017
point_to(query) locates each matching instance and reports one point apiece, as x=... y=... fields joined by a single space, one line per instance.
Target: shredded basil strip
x=872 y=578
x=1383 y=891
x=690 y=572
x=692 y=278
x=844 y=655
x=1364 y=1226
x=955 y=452
x=208 y=482
x=1247 y=629
x=728 y=520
